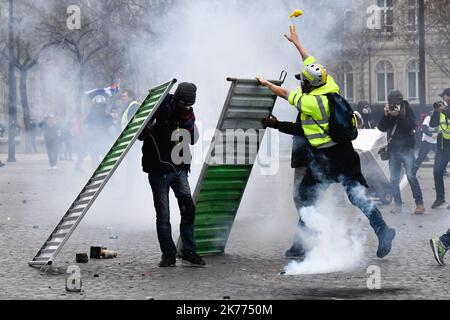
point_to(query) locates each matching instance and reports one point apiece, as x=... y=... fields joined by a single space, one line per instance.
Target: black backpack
x=342 y=122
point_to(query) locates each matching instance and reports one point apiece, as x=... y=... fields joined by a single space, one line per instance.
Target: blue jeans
x=445 y=239
x=407 y=158
x=440 y=164
x=161 y=185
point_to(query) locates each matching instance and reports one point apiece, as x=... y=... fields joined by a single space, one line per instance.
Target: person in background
x=399 y=122
x=440 y=246
x=365 y=111
x=96 y=130
x=441 y=119
x=131 y=106
x=33 y=129
x=66 y=142
x=52 y=136
x=429 y=140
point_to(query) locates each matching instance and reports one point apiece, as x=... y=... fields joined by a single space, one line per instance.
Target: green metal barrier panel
x=230 y=161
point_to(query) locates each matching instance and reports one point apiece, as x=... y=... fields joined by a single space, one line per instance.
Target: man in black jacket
x=166 y=159
x=299 y=162
x=399 y=122
x=441 y=119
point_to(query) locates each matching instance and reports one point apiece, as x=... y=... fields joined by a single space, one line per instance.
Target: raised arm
x=279 y=91
x=293 y=37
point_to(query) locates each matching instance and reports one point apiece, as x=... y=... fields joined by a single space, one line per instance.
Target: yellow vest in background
x=125 y=118
x=444 y=126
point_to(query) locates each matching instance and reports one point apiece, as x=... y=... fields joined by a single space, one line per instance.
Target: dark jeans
x=424 y=150
x=52 y=151
x=339 y=164
x=407 y=158
x=161 y=185
x=440 y=164
x=445 y=239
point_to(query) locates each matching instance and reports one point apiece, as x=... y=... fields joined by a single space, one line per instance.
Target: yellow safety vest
x=125 y=118
x=444 y=126
x=314 y=110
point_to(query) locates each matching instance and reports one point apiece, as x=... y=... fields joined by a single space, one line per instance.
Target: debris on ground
x=102 y=253
x=82 y=258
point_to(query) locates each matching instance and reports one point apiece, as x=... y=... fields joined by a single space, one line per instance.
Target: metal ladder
x=100 y=178
x=225 y=174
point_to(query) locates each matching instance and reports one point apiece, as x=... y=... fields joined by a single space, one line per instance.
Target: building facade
x=382 y=53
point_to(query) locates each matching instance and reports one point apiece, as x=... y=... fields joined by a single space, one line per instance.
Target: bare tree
x=437 y=30
x=84 y=44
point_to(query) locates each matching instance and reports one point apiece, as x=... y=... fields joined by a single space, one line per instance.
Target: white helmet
x=315 y=74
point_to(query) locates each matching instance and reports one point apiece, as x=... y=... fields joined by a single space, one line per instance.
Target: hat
x=362 y=104
x=186 y=94
x=446 y=92
x=395 y=97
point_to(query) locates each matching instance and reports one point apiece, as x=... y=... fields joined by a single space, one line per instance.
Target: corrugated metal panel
x=227 y=169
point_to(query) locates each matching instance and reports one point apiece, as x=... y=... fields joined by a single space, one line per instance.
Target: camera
x=395 y=107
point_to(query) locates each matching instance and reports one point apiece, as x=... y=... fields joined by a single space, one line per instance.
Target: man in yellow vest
x=441 y=119
x=328 y=161
x=129 y=99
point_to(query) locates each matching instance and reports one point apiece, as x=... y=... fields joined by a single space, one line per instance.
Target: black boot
x=384 y=233
x=385 y=236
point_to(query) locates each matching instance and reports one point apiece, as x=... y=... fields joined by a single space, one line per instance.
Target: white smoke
x=334 y=240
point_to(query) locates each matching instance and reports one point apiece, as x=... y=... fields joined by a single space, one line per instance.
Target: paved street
x=33 y=199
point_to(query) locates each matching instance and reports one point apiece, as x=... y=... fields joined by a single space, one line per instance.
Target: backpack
x=342 y=123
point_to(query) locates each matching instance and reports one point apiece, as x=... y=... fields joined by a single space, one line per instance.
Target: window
x=387 y=15
x=385 y=80
x=412 y=80
x=345 y=79
x=412 y=19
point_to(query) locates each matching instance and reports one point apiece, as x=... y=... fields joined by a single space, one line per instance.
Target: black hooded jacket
x=403 y=139
x=158 y=144
x=300 y=144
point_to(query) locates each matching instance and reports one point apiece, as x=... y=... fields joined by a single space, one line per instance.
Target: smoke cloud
x=333 y=239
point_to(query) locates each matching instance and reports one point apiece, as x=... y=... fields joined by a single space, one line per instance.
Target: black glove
x=271 y=122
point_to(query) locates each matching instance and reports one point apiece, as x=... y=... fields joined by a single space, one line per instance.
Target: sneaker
x=437 y=204
x=420 y=209
x=167 y=261
x=193 y=259
x=438 y=250
x=385 y=237
x=396 y=210
x=295 y=254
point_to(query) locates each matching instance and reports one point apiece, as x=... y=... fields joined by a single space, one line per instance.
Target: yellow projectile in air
x=297 y=13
